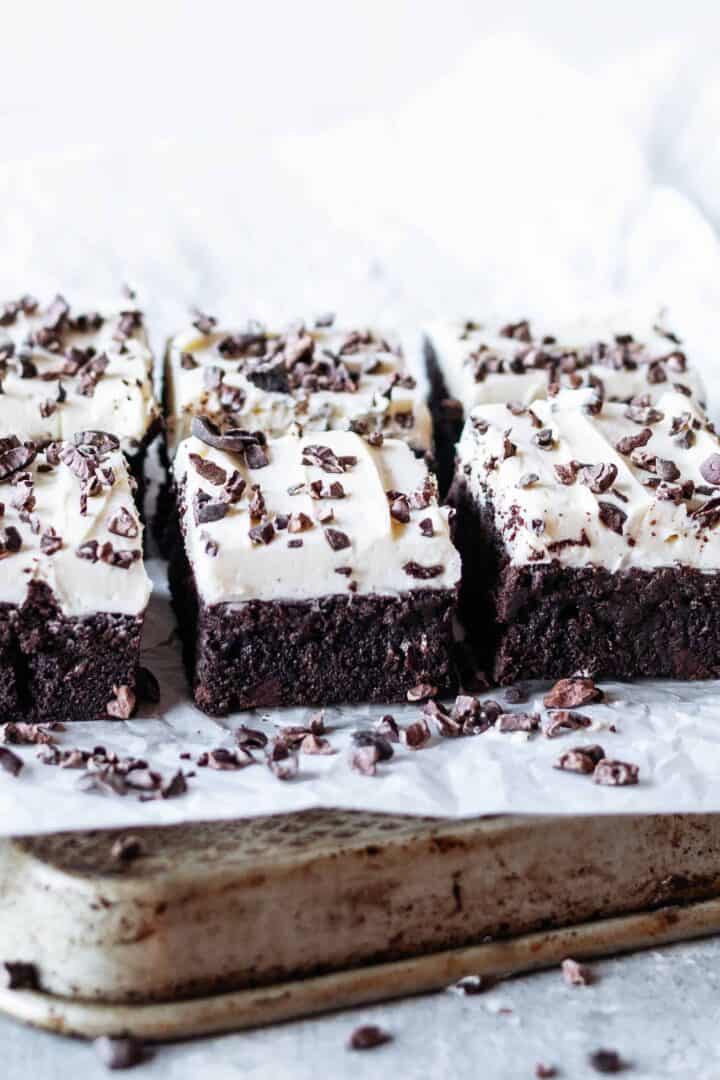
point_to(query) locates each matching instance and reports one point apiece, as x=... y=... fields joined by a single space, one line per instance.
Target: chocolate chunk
x=607 y=1061
x=423 y=573
x=50 y=542
x=15 y=457
x=206 y=510
x=387 y=727
x=667 y=470
x=263 y=533
x=336 y=539
x=519 y=721
x=271 y=376
x=10 y=761
x=209 y=471
x=122 y=705
x=368 y=1037
x=224 y=760
x=20 y=975
x=445 y=724
x=123 y=1053
x=710 y=470
x=324 y=458
x=562 y=721
x=572 y=693
x=615 y=773
x=250 y=738
x=299 y=523
x=543 y=439
x=88 y=550
x=126 y=849
x=256 y=456
x=175 y=786
x=598 y=477
x=581 y=759
x=124 y=524
x=400 y=510
x=416 y=735
x=101 y=441
x=575 y=974
x=567 y=474
x=206 y=431
x=612 y=517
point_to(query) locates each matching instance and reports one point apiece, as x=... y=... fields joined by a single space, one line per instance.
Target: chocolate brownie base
x=336 y=649
x=56 y=668
x=547 y=621
x=447 y=417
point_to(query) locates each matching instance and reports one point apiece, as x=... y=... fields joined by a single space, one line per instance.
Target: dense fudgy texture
x=55 y=668
x=547 y=621
x=447 y=417
x=327 y=651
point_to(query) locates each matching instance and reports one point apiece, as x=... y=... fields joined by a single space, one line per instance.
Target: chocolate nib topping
x=325 y=458
x=598 y=477
x=206 y=509
x=263 y=533
x=423 y=573
x=235 y=440
x=124 y=524
x=562 y=721
x=14 y=456
x=612 y=516
x=572 y=693
x=337 y=539
x=631 y=442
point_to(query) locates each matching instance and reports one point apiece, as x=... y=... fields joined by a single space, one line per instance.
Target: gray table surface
x=656 y=1008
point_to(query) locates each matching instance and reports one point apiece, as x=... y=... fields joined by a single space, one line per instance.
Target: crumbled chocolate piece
x=607 y=1061
x=519 y=331
x=368 y=1037
x=426 y=527
x=667 y=470
x=14 y=456
x=123 y=703
x=315 y=744
x=122 y=559
x=416 y=735
x=206 y=509
x=446 y=725
x=10 y=761
x=122 y=1053
x=299 y=523
x=562 y=721
x=519 y=721
x=615 y=773
x=575 y=974
x=471 y=985
x=263 y=533
x=50 y=542
x=363 y=759
x=102 y=441
x=598 y=477
x=423 y=573
x=543 y=439
x=612 y=517
x=400 y=510
x=88 y=550
x=21 y=733
x=387 y=727
x=209 y=471
x=124 y=524
x=282 y=762
x=545 y=1072
x=421 y=692
x=126 y=849
x=224 y=760
x=325 y=458
x=337 y=540
x=643 y=414
x=175 y=786
x=527 y=480
x=572 y=693
x=581 y=759
x=19 y=975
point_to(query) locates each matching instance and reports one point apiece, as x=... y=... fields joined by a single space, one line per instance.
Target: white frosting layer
x=122 y=402
x=380 y=547
x=81 y=586
x=543 y=519
x=481 y=364
x=399 y=410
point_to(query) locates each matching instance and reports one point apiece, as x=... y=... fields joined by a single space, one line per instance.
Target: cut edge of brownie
x=55 y=667
x=332 y=649
x=546 y=620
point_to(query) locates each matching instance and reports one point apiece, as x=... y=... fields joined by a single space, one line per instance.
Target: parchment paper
x=472 y=197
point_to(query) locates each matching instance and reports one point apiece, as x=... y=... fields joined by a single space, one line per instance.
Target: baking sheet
x=602 y=208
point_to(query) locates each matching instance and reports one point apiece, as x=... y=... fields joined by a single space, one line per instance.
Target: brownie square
x=319 y=376
x=310 y=569
x=589 y=536
x=472 y=363
x=73 y=589
x=65 y=371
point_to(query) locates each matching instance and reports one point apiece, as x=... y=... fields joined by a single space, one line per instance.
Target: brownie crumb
x=123 y=704
x=575 y=974
x=615 y=773
x=123 y=1053
x=572 y=693
x=562 y=722
x=368 y=1037
x=581 y=759
x=607 y=1061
